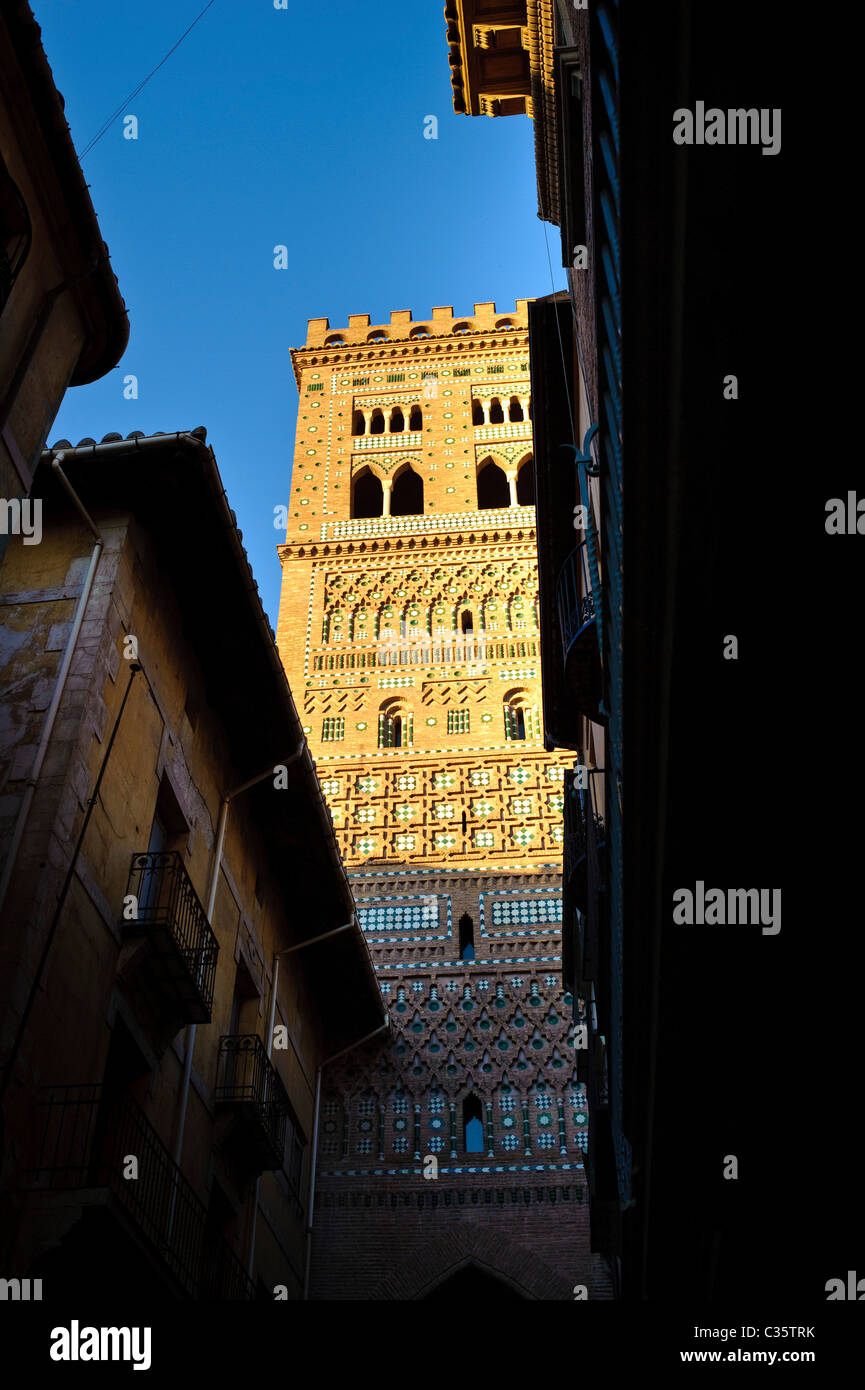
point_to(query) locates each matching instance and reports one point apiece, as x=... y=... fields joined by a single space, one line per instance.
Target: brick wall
x=459 y=820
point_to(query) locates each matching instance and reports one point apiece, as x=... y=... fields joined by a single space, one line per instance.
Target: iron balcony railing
x=574 y=596
x=247 y=1081
x=578 y=613
x=87 y=1140
x=170 y=914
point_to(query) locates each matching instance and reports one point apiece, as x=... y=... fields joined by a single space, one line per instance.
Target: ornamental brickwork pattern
x=411 y=643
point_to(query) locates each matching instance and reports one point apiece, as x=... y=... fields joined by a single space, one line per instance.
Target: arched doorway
x=474 y=1284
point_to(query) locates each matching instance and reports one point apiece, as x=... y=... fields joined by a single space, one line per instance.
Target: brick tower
x=450 y=1155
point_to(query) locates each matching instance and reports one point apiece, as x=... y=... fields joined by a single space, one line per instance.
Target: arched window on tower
x=415 y=419
x=406 y=498
x=376 y=424
x=515 y=410
x=517 y=715
x=467 y=937
x=497 y=415
x=467 y=631
x=395 y=726
x=358 y=423
x=397 y=421
x=493 y=490
x=367 y=497
x=477 y=413
x=473 y=1125
x=526 y=483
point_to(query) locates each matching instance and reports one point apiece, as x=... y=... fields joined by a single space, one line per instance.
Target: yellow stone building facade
x=411 y=636
x=408 y=628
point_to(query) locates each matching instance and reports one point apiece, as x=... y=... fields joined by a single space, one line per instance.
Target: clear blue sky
x=302 y=127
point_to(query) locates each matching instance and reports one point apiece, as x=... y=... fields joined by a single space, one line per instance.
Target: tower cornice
x=487 y=329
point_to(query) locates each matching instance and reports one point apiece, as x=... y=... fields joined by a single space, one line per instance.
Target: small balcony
x=178 y=966
x=575 y=600
x=249 y=1086
x=583 y=889
x=87 y=1138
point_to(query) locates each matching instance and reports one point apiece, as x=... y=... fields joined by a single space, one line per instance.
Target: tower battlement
x=403 y=328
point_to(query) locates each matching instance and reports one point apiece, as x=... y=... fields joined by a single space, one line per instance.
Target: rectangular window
x=458 y=721
x=292 y=1172
x=332 y=730
x=569 y=97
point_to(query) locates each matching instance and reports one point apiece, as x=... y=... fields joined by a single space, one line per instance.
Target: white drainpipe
x=271 y=1016
x=211 y=900
x=311 y=1200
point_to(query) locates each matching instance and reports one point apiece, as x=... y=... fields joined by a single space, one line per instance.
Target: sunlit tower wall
x=408 y=628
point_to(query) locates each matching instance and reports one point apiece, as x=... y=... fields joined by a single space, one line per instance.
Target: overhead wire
x=132 y=95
